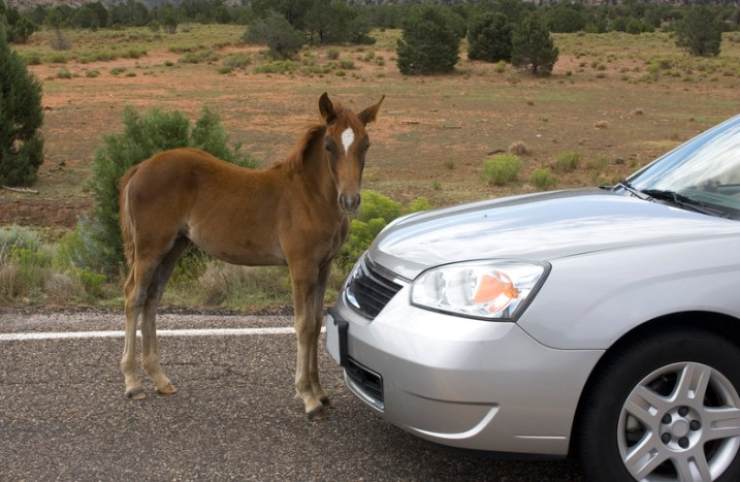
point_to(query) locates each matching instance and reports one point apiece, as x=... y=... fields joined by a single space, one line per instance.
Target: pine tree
x=429 y=44
x=489 y=38
x=533 y=47
x=21 y=145
x=700 y=32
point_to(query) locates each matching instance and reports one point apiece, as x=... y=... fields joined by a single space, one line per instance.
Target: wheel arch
x=719 y=323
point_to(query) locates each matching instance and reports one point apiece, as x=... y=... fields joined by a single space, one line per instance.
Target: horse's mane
x=297 y=155
x=315 y=132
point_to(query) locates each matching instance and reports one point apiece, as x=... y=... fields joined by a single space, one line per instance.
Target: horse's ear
x=368 y=115
x=327 y=108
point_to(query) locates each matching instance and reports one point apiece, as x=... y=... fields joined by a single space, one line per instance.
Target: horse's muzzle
x=349 y=202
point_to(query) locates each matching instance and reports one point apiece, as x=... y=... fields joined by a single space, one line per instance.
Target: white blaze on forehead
x=348 y=137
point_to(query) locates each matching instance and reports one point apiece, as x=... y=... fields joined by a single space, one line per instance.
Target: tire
x=606 y=424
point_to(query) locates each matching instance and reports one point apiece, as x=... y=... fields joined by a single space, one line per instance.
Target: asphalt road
x=63 y=415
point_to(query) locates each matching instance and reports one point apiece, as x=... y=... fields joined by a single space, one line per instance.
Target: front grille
x=366 y=380
x=368 y=291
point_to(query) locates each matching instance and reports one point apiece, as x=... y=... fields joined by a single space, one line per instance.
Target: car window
x=705 y=169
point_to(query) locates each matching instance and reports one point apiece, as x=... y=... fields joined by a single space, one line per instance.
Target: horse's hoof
x=136 y=393
x=168 y=389
x=315 y=413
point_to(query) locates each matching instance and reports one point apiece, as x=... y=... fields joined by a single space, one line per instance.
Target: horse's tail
x=127 y=225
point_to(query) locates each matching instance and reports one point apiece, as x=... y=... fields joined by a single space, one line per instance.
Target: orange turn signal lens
x=496 y=291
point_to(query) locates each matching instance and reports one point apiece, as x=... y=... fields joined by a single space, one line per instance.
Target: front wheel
x=666 y=409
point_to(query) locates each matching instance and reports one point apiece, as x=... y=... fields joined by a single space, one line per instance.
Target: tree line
x=520 y=33
x=330 y=21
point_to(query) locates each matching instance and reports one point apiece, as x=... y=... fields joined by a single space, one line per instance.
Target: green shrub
x=237 y=61
x=58 y=59
x=332 y=54
x=80 y=249
x=429 y=43
x=31 y=267
x=134 y=53
x=33 y=59
x=566 y=18
x=169 y=19
x=92 y=74
x=532 y=46
x=346 y=64
x=199 y=56
x=567 y=161
x=700 y=32
x=17 y=237
x=636 y=26
x=376 y=205
x=489 y=38
x=143 y=136
x=24 y=263
x=98 y=56
x=19 y=27
x=241 y=287
x=64 y=74
x=330 y=21
x=542 y=179
x=502 y=169
x=91 y=282
x=418 y=204
x=277 y=67
x=283 y=40
x=21 y=144
x=376 y=211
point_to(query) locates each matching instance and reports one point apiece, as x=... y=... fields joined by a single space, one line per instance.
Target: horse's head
x=346 y=143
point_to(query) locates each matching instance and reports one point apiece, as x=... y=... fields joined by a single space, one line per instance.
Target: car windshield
x=703 y=173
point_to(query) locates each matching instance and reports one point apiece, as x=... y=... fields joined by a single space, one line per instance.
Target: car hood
x=538 y=227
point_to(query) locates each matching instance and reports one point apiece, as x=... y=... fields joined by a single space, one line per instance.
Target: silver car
x=603 y=323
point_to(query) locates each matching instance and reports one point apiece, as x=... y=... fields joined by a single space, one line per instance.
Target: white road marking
x=76 y=335
x=348 y=137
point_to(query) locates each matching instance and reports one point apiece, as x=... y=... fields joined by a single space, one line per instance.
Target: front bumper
x=463 y=382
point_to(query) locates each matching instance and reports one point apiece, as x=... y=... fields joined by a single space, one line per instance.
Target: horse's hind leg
x=150 y=357
x=137 y=285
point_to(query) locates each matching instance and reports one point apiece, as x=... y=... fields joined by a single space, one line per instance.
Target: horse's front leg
x=313 y=369
x=304 y=277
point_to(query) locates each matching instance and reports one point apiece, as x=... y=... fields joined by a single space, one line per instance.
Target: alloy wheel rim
x=680 y=423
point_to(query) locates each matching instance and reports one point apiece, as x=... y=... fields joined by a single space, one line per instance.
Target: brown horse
x=295 y=212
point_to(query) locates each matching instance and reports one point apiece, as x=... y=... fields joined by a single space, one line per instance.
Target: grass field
x=614 y=102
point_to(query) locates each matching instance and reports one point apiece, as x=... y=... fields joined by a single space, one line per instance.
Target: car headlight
x=490 y=290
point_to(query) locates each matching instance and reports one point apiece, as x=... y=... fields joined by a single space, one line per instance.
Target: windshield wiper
x=683 y=201
x=625 y=184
